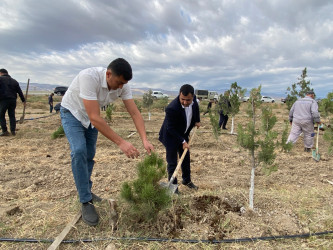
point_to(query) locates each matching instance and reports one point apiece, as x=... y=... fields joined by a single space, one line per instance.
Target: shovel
x=173 y=187
x=26 y=96
x=315 y=153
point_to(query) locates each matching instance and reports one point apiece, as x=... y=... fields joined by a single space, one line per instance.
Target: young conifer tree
x=148 y=101
x=214 y=121
x=298 y=89
x=235 y=92
x=259 y=140
x=145 y=196
x=326 y=109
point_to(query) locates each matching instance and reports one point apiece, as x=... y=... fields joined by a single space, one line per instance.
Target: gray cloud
x=209 y=44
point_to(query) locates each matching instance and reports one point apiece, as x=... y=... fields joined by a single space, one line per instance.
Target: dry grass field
x=38 y=196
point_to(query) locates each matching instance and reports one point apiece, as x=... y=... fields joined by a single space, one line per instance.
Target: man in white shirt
x=303 y=114
x=91 y=89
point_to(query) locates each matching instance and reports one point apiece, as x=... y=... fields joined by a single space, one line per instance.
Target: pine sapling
x=298 y=90
x=214 y=121
x=235 y=92
x=148 y=101
x=261 y=139
x=145 y=196
x=326 y=108
x=286 y=147
x=109 y=111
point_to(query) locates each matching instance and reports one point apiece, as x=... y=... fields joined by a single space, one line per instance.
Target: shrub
x=58 y=133
x=144 y=195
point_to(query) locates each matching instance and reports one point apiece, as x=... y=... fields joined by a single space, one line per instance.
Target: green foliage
x=138 y=105
x=298 y=89
x=326 y=105
x=148 y=99
x=161 y=103
x=246 y=137
x=267 y=146
x=261 y=140
x=109 y=111
x=58 y=133
x=235 y=92
x=286 y=147
x=214 y=121
x=328 y=136
x=144 y=195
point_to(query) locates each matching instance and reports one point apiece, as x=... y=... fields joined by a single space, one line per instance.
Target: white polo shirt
x=90 y=84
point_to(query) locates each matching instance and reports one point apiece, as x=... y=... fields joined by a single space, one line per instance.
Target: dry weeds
x=36 y=184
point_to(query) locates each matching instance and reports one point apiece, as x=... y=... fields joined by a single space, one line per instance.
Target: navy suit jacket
x=172 y=133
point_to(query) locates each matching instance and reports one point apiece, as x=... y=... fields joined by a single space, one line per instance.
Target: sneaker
x=5 y=133
x=89 y=214
x=190 y=185
x=307 y=149
x=225 y=128
x=95 y=198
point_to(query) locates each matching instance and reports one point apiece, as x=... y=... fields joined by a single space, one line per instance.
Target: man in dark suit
x=181 y=115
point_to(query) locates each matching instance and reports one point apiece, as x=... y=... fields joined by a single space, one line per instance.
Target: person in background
x=9 y=88
x=181 y=115
x=302 y=116
x=209 y=106
x=90 y=90
x=224 y=109
x=51 y=102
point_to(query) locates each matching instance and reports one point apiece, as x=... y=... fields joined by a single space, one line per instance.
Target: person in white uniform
x=302 y=116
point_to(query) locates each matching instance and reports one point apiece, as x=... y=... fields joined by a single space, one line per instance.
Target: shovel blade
x=21 y=119
x=171 y=187
x=315 y=155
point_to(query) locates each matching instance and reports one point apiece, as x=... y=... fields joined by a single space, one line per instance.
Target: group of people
x=81 y=118
x=97 y=87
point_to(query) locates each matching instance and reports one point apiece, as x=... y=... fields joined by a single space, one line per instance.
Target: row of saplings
x=146 y=197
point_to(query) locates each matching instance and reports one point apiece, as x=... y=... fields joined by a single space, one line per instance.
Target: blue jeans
x=82 y=143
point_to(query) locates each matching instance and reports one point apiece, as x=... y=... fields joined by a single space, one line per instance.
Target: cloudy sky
x=209 y=44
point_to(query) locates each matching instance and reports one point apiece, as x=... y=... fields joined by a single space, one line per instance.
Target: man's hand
x=129 y=150
x=185 y=145
x=148 y=146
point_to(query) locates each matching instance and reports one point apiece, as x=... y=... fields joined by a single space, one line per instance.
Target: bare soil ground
x=38 y=195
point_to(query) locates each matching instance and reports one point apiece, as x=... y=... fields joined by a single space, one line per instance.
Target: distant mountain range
x=36 y=87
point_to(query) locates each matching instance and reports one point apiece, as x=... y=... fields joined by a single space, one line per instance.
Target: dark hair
x=120 y=67
x=3 y=71
x=186 y=89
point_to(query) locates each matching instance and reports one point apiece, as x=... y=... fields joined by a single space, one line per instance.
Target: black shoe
x=89 y=214
x=95 y=198
x=13 y=133
x=5 y=133
x=224 y=128
x=190 y=185
x=307 y=149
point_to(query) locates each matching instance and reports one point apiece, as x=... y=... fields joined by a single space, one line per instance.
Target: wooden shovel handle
x=182 y=157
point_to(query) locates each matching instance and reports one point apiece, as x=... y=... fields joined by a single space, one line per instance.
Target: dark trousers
x=172 y=159
x=223 y=120
x=51 y=108
x=10 y=105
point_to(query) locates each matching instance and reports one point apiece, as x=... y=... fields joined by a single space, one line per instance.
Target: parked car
x=60 y=90
x=159 y=95
x=267 y=99
x=244 y=99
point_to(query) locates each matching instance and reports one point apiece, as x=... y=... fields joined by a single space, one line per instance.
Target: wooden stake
x=64 y=232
